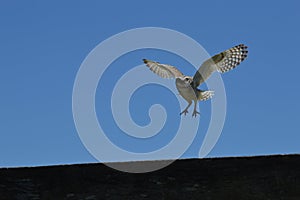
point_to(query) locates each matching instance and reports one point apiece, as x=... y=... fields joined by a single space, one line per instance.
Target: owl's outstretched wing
x=222 y=62
x=163 y=70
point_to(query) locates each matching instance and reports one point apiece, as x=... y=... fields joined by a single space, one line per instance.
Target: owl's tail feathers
x=205 y=95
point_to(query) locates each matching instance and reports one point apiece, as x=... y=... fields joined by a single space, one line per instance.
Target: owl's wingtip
x=243 y=46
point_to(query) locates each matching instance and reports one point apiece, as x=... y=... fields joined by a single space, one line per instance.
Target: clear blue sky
x=42 y=45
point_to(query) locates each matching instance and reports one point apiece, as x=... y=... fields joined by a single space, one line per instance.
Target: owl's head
x=188 y=80
x=185 y=81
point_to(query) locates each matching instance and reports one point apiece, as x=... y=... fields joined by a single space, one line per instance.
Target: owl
x=187 y=86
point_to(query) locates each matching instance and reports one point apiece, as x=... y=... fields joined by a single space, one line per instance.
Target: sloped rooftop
x=262 y=177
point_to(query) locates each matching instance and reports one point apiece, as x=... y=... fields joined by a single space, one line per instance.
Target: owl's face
x=185 y=81
x=188 y=79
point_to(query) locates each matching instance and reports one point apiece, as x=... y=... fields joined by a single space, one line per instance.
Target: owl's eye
x=186 y=79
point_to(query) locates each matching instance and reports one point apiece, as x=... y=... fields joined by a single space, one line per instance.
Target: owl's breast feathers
x=186 y=90
x=192 y=94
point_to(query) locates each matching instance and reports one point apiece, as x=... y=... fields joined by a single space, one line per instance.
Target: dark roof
x=263 y=177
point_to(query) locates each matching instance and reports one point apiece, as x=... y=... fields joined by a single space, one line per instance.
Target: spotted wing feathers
x=231 y=58
x=163 y=70
x=205 y=95
x=222 y=62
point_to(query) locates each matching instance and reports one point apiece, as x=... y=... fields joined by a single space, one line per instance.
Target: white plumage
x=187 y=85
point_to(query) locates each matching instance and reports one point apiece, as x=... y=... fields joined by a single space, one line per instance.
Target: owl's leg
x=195 y=110
x=185 y=111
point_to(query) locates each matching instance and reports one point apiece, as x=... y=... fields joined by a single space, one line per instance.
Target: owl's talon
x=195 y=113
x=184 y=112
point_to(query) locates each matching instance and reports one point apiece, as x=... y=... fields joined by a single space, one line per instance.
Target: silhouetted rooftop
x=262 y=177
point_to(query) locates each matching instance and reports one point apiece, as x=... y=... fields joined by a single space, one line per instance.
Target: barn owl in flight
x=187 y=85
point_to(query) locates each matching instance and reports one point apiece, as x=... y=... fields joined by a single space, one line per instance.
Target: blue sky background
x=42 y=45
